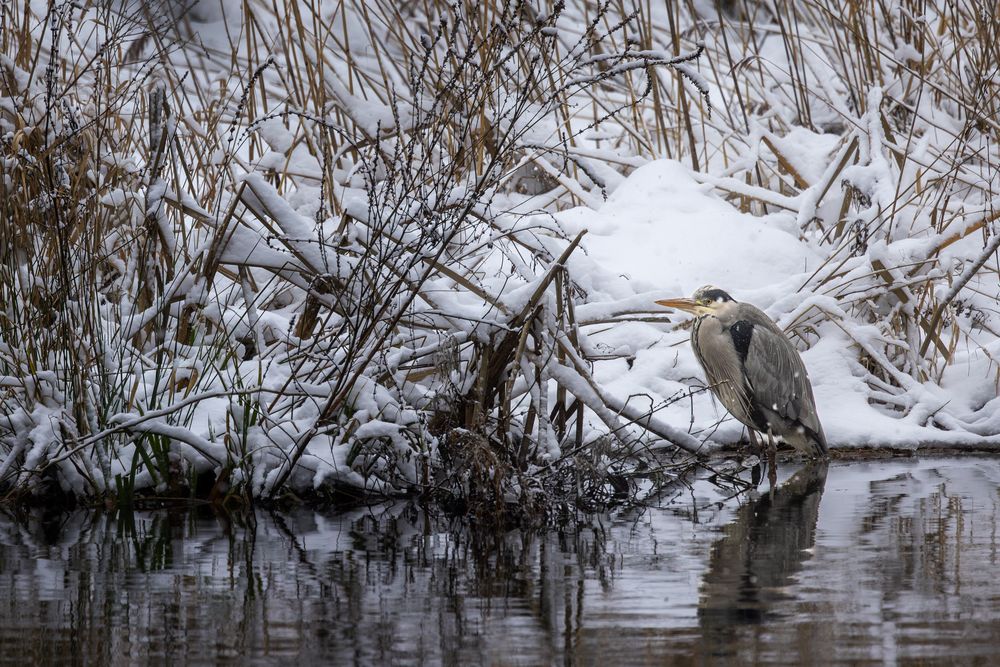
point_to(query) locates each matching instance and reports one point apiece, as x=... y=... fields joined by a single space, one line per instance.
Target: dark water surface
x=882 y=562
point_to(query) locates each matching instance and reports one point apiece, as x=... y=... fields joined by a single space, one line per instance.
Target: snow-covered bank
x=315 y=246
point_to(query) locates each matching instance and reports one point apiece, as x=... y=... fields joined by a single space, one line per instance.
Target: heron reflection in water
x=763 y=548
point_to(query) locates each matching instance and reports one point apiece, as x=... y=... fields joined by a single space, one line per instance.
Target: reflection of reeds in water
x=760 y=552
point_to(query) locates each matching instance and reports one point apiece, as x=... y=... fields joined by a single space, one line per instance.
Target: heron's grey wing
x=778 y=380
x=715 y=351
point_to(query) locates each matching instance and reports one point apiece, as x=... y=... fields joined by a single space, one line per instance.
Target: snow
x=664 y=231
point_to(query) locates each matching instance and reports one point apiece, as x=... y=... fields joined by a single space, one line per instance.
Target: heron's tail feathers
x=808 y=441
x=817 y=442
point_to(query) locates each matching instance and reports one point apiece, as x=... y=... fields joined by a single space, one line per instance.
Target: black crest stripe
x=717 y=295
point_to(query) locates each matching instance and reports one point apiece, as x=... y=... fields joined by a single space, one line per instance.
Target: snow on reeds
x=269 y=249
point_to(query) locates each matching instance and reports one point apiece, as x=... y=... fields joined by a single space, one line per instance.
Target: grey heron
x=754 y=370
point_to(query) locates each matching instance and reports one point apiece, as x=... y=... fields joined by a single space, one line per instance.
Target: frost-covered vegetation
x=265 y=249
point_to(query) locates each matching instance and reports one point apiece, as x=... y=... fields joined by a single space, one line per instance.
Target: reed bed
x=297 y=249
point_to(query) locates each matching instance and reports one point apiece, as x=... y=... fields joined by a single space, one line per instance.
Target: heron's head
x=706 y=301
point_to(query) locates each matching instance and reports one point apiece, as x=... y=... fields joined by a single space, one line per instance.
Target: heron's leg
x=757 y=449
x=772 y=463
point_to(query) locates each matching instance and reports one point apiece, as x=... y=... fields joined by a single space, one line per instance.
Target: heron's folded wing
x=777 y=377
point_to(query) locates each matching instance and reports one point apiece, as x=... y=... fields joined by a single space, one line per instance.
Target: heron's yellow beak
x=690 y=305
